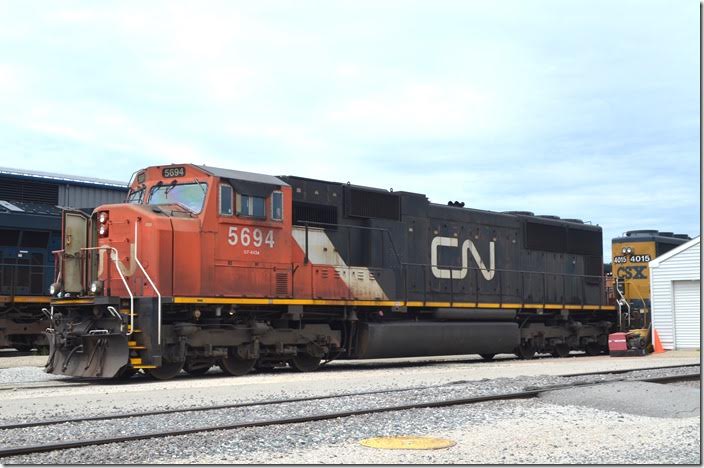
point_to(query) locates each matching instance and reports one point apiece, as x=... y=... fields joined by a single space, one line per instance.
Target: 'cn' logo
x=468 y=245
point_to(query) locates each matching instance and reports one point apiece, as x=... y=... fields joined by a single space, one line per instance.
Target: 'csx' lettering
x=468 y=245
x=632 y=272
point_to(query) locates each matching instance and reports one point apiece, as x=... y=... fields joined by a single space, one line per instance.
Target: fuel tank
x=403 y=339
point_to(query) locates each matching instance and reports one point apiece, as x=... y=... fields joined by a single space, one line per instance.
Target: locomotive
x=631 y=254
x=30 y=229
x=206 y=266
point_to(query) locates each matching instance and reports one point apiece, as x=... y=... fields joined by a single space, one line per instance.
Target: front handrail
x=158 y=294
x=114 y=257
x=622 y=301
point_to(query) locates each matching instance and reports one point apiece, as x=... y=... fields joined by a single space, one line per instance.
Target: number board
x=169 y=172
x=141 y=177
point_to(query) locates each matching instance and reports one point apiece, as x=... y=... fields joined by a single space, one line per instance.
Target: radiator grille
x=312 y=213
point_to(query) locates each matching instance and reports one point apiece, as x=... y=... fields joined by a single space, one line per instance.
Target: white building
x=675 y=295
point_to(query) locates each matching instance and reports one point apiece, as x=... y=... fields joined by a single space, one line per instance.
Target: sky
x=581 y=109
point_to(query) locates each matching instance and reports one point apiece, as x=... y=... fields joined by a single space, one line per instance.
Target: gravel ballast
x=525 y=431
x=308 y=433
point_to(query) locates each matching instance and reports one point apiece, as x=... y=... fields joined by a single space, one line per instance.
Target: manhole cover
x=407 y=443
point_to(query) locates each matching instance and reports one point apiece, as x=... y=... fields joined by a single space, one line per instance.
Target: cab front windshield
x=189 y=196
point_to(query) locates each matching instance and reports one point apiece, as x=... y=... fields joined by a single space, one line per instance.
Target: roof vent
x=548 y=216
x=666 y=234
x=682 y=236
x=574 y=220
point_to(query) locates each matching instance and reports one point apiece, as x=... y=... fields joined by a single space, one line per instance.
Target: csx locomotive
x=205 y=266
x=630 y=256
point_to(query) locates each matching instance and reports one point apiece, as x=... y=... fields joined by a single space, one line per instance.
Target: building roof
x=673 y=252
x=64 y=178
x=244 y=176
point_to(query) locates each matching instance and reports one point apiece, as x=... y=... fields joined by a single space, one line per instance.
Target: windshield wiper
x=170 y=187
x=200 y=184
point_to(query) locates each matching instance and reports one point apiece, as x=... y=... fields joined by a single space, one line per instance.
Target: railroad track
x=73 y=382
x=527 y=393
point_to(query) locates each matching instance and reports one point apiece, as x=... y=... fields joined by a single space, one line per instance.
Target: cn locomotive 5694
x=205 y=266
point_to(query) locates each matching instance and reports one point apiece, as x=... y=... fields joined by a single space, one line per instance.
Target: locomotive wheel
x=561 y=350
x=236 y=366
x=304 y=362
x=593 y=349
x=525 y=351
x=197 y=368
x=167 y=370
x=488 y=357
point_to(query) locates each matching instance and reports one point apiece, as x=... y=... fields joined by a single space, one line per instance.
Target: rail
x=402 y=405
x=114 y=257
x=25 y=276
x=577 y=281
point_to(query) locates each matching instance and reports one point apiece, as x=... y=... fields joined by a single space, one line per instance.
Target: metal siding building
x=675 y=286
x=59 y=189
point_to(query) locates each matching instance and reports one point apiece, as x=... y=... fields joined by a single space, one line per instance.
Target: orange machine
x=206 y=266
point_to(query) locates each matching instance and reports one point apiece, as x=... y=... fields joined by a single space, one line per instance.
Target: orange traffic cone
x=657 y=344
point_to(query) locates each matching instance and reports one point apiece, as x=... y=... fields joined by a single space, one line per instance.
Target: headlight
x=96 y=287
x=54 y=288
x=629 y=250
x=623 y=250
x=103 y=230
x=103 y=217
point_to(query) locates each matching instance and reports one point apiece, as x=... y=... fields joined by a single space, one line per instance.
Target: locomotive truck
x=206 y=266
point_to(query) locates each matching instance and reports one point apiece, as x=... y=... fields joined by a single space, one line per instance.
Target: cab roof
x=243 y=176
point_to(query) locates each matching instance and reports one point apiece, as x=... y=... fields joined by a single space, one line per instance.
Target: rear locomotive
x=630 y=256
x=206 y=266
x=29 y=231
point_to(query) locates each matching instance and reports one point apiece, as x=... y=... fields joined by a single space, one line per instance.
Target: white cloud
x=429 y=109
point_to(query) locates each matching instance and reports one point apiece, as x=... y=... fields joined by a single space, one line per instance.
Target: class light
x=96 y=287
x=54 y=288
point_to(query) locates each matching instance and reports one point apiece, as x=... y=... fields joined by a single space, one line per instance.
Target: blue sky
x=586 y=109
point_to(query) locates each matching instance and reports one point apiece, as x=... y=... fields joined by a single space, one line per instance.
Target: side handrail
x=114 y=258
x=158 y=294
x=622 y=301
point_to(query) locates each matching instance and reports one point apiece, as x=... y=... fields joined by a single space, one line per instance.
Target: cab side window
x=277 y=206
x=251 y=206
x=225 y=200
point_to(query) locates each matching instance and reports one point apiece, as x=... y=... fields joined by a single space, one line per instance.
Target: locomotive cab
x=184 y=230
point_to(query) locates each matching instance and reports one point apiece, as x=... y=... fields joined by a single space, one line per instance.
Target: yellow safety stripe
x=359 y=303
x=331 y=302
x=72 y=301
x=26 y=299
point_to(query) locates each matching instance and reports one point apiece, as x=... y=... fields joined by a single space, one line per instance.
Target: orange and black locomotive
x=204 y=266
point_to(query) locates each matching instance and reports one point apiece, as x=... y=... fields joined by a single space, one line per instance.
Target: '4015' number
x=246 y=237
